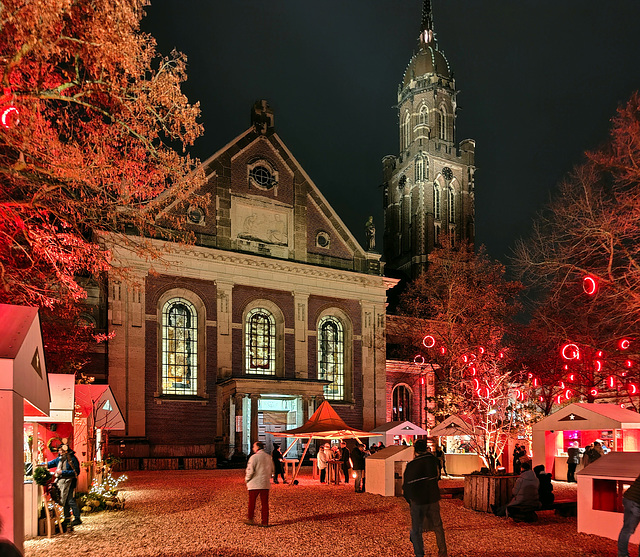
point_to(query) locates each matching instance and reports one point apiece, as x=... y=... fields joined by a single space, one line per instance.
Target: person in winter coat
x=421 y=491
x=573 y=459
x=358 y=455
x=345 y=457
x=322 y=463
x=545 y=489
x=278 y=463
x=258 y=480
x=525 y=491
x=67 y=471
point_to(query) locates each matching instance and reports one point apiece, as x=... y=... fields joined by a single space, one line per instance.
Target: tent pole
x=306 y=447
x=290 y=447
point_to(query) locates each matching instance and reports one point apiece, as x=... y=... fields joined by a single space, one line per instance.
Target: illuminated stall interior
x=454 y=437
x=617 y=428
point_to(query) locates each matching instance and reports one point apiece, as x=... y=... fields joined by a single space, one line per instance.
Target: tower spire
x=426 y=27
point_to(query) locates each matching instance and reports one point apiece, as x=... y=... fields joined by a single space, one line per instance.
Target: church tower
x=429 y=185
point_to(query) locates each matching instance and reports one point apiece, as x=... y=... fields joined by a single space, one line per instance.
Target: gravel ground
x=199 y=513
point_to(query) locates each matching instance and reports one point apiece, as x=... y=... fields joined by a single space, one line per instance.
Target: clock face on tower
x=447 y=173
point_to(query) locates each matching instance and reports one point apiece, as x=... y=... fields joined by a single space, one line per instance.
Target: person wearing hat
x=278 y=464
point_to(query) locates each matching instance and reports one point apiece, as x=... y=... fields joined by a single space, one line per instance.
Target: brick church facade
x=275 y=308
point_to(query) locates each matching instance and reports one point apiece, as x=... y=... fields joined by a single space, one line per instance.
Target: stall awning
x=98 y=400
x=399 y=428
x=62 y=399
x=582 y=416
x=324 y=424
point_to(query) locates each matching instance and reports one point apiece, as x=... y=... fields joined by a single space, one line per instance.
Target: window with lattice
x=179 y=348
x=331 y=357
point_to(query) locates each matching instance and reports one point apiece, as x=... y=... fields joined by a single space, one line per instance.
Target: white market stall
x=455 y=438
x=394 y=433
x=96 y=411
x=600 y=488
x=43 y=434
x=385 y=468
x=24 y=391
x=618 y=428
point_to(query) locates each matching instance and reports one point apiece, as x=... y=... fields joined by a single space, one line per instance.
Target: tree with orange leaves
x=91 y=117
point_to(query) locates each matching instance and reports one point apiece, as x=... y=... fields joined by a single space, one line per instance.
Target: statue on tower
x=370 y=230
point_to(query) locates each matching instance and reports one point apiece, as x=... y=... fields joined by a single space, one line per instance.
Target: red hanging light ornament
x=611 y=381
x=632 y=388
x=9 y=114
x=624 y=344
x=443 y=350
x=572 y=377
x=590 y=285
x=598 y=366
x=568 y=394
x=629 y=363
x=418 y=359
x=429 y=341
x=570 y=352
x=593 y=392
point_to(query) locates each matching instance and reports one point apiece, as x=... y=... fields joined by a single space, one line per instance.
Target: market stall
x=384 y=470
x=395 y=433
x=455 y=437
x=97 y=411
x=617 y=428
x=24 y=391
x=323 y=424
x=600 y=489
x=42 y=437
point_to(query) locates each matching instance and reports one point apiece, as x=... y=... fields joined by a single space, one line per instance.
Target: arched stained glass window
x=260 y=342
x=179 y=348
x=401 y=408
x=331 y=357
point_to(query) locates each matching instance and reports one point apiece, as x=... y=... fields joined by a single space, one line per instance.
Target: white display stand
x=600 y=489
x=384 y=470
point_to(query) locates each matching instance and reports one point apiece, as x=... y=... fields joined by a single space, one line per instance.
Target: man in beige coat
x=258 y=480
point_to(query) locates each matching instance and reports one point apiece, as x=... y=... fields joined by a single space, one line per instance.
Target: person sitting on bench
x=525 y=499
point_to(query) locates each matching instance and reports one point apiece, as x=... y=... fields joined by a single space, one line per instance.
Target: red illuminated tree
x=100 y=117
x=584 y=257
x=473 y=307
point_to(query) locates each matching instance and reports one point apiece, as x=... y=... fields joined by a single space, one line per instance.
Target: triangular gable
x=326 y=424
x=99 y=401
x=400 y=428
x=453 y=425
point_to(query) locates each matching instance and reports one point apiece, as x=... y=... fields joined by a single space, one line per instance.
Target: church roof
x=428 y=60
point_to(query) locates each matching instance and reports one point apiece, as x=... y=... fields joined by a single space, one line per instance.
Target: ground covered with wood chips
x=200 y=512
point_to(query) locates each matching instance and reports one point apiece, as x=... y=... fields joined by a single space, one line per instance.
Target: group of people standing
x=589 y=454
x=348 y=459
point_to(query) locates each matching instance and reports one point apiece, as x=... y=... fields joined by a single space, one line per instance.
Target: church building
x=275 y=308
x=429 y=186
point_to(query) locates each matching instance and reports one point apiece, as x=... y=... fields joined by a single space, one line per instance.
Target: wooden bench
x=453 y=492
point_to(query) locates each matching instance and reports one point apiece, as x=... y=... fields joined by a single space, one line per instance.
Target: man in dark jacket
x=420 y=489
x=631 y=504
x=357 y=457
x=345 y=457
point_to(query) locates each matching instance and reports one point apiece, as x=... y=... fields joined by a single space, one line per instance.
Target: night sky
x=539 y=81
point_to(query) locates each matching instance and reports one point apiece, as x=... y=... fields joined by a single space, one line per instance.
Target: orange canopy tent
x=323 y=424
